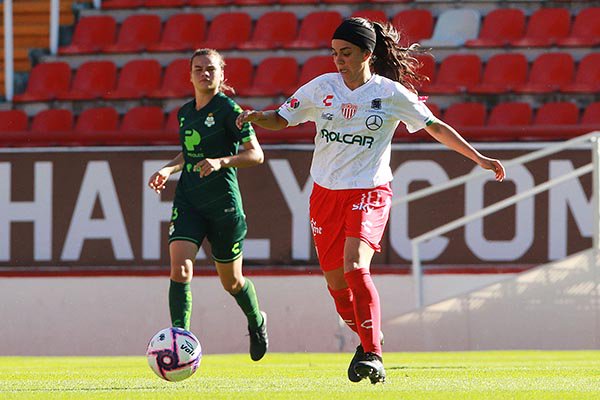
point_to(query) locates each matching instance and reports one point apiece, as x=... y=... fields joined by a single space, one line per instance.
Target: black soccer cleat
x=370 y=366
x=259 y=341
x=358 y=355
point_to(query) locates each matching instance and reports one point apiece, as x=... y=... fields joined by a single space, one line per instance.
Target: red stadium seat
x=52 y=127
x=172 y=126
x=586 y=29
x=228 y=30
x=136 y=34
x=591 y=115
x=143 y=125
x=502 y=72
x=121 y=4
x=315 y=66
x=93 y=79
x=511 y=114
x=164 y=3
x=97 y=126
x=182 y=32
x=238 y=73
x=137 y=79
x=465 y=114
x=371 y=14
x=557 y=113
x=316 y=30
x=545 y=27
x=587 y=77
x=272 y=31
x=207 y=3
x=12 y=121
x=176 y=81
x=427 y=69
x=500 y=27
x=274 y=76
x=548 y=72
x=434 y=108
x=243 y=3
x=414 y=25
x=46 y=82
x=299 y=1
x=342 y=1
x=456 y=73
x=91 y=35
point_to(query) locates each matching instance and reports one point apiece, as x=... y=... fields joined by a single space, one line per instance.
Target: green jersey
x=211 y=133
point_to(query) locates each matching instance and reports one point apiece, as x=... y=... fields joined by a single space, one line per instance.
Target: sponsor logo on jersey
x=291 y=104
x=316 y=230
x=327 y=116
x=374 y=122
x=210 y=120
x=181 y=121
x=192 y=139
x=327 y=100
x=376 y=104
x=361 y=140
x=348 y=110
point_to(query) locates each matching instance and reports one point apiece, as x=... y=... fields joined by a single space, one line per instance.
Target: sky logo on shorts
x=316 y=230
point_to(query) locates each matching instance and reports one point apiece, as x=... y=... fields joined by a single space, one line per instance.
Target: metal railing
x=593 y=137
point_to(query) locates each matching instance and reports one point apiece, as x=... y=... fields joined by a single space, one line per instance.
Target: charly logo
x=210 y=120
x=374 y=122
x=327 y=100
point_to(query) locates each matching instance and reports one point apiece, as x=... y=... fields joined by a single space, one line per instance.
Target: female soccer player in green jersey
x=208 y=203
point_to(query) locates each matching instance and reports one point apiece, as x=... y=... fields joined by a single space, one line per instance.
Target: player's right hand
x=157 y=181
x=247 y=116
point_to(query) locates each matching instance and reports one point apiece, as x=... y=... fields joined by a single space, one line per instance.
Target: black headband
x=355 y=32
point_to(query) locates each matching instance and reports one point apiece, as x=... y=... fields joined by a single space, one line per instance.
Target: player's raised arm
x=265 y=119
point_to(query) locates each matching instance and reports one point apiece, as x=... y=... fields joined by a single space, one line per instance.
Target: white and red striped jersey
x=354 y=127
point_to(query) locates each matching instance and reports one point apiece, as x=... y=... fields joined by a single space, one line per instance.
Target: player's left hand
x=493 y=165
x=207 y=166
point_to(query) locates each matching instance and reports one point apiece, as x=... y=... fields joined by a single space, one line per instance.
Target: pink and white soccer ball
x=174 y=354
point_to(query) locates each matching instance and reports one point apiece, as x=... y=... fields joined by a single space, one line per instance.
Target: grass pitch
x=311 y=376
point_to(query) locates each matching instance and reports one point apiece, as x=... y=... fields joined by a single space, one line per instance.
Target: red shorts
x=338 y=214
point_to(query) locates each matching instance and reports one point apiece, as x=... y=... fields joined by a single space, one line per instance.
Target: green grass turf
x=469 y=375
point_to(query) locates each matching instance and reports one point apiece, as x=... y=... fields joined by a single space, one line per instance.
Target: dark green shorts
x=225 y=232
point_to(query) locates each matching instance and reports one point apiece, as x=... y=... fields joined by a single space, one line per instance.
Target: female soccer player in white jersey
x=356 y=111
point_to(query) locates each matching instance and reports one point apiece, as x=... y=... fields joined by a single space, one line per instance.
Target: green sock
x=180 y=304
x=248 y=302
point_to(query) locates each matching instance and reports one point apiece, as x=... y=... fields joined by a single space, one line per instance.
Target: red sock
x=366 y=309
x=343 y=305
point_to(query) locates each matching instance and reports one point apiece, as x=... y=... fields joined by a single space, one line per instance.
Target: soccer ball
x=174 y=354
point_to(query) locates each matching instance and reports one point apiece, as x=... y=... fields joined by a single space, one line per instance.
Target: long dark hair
x=393 y=61
x=223 y=86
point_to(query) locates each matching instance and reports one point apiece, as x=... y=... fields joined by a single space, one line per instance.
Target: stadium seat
x=545 y=27
x=427 y=68
x=137 y=79
x=176 y=81
x=12 y=121
x=414 y=25
x=587 y=77
x=182 y=32
x=239 y=73
x=315 y=66
x=585 y=31
x=93 y=79
x=272 y=31
x=137 y=32
x=298 y=2
x=502 y=72
x=243 y=3
x=371 y=14
x=172 y=126
x=121 y=4
x=97 y=126
x=500 y=27
x=456 y=73
x=46 y=82
x=591 y=115
x=274 y=76
x=342 y=1
x=453 y=28
x=228 y=30
x=164 y=3
x=208 y=3
x=91 y=35
x=316 y=30
x=465 y=114
x=144 y=125
x=52 y=127
x=548 y=73
x=557 y=113
x=511 y=114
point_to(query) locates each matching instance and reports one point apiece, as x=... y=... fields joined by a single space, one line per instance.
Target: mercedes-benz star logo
x=374 y=122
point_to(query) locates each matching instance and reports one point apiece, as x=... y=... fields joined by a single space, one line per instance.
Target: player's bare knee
x=181 y=273
x=233 y=287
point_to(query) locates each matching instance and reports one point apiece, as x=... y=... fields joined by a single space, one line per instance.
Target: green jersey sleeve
x=242 y=135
